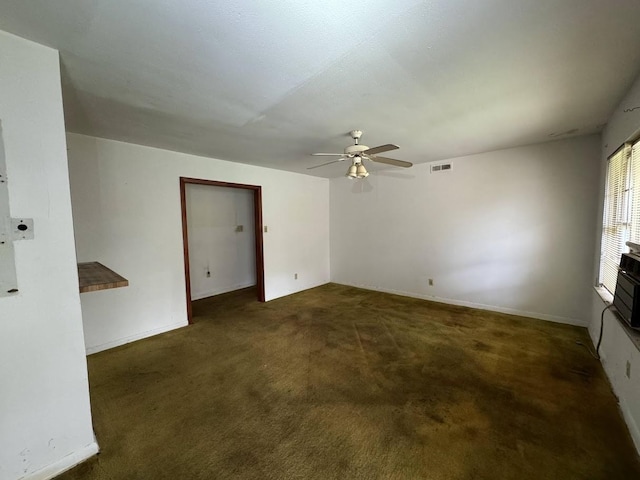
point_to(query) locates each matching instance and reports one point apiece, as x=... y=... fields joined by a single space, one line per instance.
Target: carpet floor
x=342 y=383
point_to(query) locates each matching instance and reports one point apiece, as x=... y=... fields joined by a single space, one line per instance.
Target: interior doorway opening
x=222 y=239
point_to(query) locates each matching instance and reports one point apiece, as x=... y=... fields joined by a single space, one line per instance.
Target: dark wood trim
x=215 y=183
x=185 y=244
x=257 y=214
x=259 y=240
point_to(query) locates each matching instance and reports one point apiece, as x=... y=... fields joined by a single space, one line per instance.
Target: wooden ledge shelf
x=94 y=276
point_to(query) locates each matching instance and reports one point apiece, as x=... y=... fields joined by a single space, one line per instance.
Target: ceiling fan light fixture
x=361 y=172
x=352 y=172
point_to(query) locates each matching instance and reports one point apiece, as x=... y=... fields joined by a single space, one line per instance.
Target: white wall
x=45 y=419
x=126 y=210
x=215 y=246
x=617 y=348
x=510 y=230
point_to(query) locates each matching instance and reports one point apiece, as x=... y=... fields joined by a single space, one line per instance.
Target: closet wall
x=221 y=239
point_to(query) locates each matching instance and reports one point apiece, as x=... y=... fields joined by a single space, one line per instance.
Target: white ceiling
x=268 y=82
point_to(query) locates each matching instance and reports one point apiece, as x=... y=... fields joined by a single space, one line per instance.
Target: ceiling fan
x=357 y=153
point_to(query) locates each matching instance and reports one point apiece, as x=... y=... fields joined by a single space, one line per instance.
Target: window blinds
x=617 y=213
x=634 y=193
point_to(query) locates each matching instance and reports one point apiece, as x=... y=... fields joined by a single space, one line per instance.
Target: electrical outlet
x=431 y=282
x=628 y=369
x=266 y=229
x=295 y=276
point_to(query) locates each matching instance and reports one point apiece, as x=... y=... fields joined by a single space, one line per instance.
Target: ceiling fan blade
x=391 y=161
x=328 y=163
x=381 y=148
x=327 y=154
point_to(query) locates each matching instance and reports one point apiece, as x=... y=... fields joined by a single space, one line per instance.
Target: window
x=621 y=219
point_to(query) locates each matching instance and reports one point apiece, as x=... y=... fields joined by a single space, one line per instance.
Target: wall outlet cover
x=22 y=228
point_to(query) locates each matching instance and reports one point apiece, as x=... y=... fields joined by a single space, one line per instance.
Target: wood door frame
x=259 y=243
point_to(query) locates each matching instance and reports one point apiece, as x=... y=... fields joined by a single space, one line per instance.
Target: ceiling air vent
x=441 y=167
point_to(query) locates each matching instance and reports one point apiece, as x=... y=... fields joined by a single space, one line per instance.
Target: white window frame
x=621 y=214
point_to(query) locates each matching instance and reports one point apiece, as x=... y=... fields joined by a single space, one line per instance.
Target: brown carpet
x=342 y=383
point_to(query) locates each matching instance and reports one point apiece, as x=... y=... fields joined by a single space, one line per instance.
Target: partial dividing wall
x=222 y=255
x=510 y=230
x=45 y=419
x=126 y=211
x=617 y=348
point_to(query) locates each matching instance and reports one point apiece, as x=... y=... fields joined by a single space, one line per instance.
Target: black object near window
x=627 y=296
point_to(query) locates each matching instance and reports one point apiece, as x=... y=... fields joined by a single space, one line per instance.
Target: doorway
x=208 y=270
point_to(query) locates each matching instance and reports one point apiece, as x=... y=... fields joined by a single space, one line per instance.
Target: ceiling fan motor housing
x=355 y=149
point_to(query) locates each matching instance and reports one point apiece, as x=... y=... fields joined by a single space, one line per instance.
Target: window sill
x=604 y=294
x=607 y=298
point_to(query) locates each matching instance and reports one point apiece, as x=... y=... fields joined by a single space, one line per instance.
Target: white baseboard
x=65 y=463
x=479 y=306
x=220 y=291
x=132 y=338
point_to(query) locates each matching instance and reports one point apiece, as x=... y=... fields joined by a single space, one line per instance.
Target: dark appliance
x=627 y=296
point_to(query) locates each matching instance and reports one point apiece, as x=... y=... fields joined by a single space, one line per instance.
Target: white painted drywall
x=510 y=230
x=45 y=419
x=126 y=210
x=617 y=348
x=216 y=246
